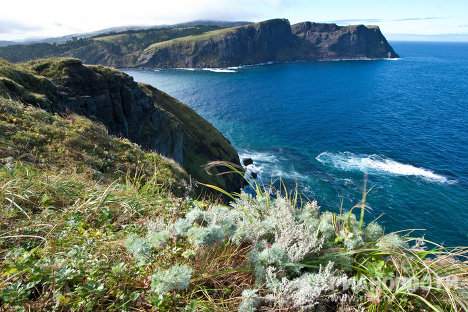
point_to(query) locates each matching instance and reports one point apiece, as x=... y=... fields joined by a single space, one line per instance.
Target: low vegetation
x=192 y=39
x=92 y=222
x=117 y=44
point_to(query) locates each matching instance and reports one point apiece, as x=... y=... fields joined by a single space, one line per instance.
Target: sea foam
x=348 y=161
x=220 y=70
x=271 y=166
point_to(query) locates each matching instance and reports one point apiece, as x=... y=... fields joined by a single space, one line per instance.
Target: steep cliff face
x=330 y=41
x=251 y=44
x=273 y=40
x=138 y=112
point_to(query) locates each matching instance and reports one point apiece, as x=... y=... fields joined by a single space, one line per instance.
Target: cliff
x=141 y=113
x=330 y=41
x=274 y=40
x=251 y=44
x=209 y=46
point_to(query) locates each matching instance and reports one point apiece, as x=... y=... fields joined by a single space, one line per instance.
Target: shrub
x=176 y=277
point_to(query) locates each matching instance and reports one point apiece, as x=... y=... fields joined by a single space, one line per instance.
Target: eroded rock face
x=141 y=113
x=329 y=41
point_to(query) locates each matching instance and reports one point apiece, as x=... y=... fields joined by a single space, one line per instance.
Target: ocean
x=324 y=125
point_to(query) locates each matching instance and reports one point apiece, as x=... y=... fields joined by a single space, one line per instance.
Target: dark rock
x=330 y=41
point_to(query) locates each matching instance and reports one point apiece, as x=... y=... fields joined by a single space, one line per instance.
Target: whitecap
x=348 y=161
x=259 y=156
x=220 y=70
x=271 y=166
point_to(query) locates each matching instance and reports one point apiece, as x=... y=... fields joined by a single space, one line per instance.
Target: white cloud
x=46 y=18
x=88 y=15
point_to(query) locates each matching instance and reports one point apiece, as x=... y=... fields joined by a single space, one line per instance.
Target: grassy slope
x=74 y=143
x=215 y=34
x=35 y=83
x=69 y=196
x=120 y=44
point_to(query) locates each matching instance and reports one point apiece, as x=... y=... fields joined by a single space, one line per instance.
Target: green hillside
x=115 y=44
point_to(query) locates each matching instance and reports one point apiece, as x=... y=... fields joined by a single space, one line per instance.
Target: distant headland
x=213 y=46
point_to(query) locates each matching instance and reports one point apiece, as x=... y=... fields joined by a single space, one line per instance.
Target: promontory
x=202 y=46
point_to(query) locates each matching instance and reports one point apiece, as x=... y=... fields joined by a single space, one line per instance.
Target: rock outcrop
x=330 y=41
x=141 y=113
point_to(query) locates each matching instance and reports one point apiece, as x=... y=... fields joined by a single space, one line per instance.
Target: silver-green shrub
x=307 y=291
x=205 y=236
x=250 y=301
x=373 y=232
x=279 y=233
x=181 y=227
x=176 y=277
x=138 y=246
x=158 y=239
x=391 y=242
x=196 y=215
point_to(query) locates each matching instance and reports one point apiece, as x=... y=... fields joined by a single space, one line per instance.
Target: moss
x=56 y=67
x=107 y=72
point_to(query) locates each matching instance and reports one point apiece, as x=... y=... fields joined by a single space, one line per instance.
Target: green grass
x=49 y=141
x=71 y=240
x=189 y=41
x=70 y=196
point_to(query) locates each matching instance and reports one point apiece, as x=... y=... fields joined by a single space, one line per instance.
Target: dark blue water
x=324 y=124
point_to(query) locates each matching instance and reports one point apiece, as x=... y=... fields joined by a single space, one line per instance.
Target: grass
x=72 y=241
x=70 y=195
x=73 y=142
x=190 y=40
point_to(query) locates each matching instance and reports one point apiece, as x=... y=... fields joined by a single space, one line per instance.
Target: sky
x=21 y=19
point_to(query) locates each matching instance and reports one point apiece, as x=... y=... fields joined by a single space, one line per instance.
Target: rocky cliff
x=251 y=44
x=330 y=41
x=141 y=113
x=274 y=40
x=205 y=46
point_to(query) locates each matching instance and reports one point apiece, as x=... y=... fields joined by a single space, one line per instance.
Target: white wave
x=392 y=59
x=271 y=166
x=186 y=68
x=348 y=161
x=260 y=160
x=220 y=70
x=261 y=157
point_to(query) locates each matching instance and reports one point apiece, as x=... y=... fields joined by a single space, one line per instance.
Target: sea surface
x=325 y=124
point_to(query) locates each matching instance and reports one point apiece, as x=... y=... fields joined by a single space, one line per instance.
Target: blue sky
x=20 y=19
